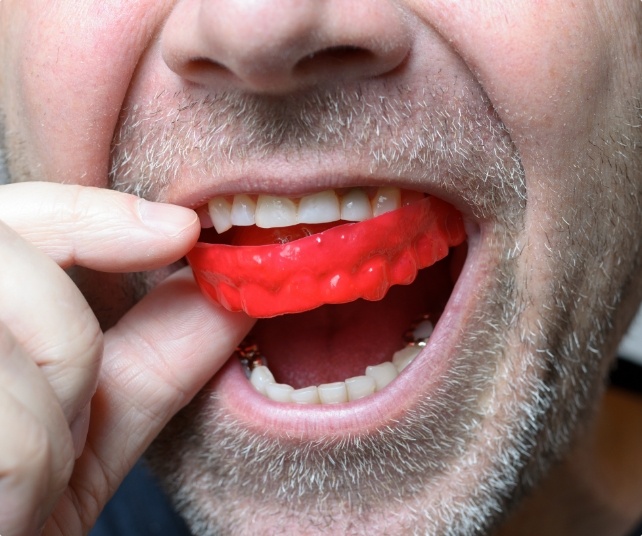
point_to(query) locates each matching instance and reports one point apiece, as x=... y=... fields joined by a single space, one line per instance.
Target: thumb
x=160 y=354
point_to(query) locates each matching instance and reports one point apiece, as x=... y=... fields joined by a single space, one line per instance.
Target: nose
x=278 y=46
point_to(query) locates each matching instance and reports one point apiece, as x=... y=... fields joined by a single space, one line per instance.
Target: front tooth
x=386 y=200
x=319 y=208
x=382 y=374
x=333 y=393
x=272 y=211
x=220 y=213
x=306 y=395
x=402 y=358
x=243 y=209
x=355 y=206
x=359 y=387
x=260 y=378
x=279 y=392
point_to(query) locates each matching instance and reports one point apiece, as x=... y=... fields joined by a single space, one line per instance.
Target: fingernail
x=79 y=428
x=170 y=220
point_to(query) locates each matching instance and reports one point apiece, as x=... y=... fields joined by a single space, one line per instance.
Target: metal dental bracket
x=250 y=356
x=419 y=331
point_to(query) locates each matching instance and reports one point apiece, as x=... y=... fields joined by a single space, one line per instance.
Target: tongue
x=335 y=342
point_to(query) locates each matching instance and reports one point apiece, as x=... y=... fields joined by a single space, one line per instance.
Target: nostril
x=333 y=57
x=196 y=66
x=338 y=60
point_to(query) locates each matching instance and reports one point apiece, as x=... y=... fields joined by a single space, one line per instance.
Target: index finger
x=97 y=228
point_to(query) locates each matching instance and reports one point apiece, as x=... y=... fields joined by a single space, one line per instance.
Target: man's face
x=524 y=115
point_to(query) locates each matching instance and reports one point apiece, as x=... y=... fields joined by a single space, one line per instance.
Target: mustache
x=437 y=135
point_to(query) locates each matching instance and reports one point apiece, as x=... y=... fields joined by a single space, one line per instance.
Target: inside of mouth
x=335 y=342
x=346 y=349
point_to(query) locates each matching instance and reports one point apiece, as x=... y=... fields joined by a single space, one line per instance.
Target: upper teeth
x=275 y=211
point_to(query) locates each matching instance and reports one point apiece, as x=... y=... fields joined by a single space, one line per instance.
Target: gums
x=337 y=265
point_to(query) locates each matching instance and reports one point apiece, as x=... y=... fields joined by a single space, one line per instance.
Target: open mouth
x=349 y=286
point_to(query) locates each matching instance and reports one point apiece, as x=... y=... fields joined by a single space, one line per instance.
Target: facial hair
x=518 y=385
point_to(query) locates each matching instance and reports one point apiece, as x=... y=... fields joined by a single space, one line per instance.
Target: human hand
x=60 y=461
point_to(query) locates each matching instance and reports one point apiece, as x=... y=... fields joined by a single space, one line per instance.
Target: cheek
x=551 y=72
x=70 y=64
x=544 y=64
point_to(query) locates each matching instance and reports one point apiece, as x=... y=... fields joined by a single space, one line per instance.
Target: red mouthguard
x=338 y=265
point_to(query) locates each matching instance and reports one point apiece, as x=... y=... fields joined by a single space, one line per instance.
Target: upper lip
x=456 y=159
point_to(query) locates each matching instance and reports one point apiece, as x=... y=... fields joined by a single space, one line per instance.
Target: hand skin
x=61 y=458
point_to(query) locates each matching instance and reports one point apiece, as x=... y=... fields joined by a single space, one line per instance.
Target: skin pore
x=538 y=146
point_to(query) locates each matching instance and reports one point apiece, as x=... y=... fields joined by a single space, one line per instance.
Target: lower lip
x=421 y=379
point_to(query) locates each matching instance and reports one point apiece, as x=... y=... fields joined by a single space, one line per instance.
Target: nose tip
x=277 y=46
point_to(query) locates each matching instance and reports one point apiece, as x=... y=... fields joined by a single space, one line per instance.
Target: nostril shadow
x=199 y=65
x=338 y=57
x=337 y=61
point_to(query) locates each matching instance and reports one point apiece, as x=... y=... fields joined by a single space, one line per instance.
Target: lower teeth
x=375 y=379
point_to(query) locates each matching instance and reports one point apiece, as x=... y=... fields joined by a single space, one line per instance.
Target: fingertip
x=170 y=220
